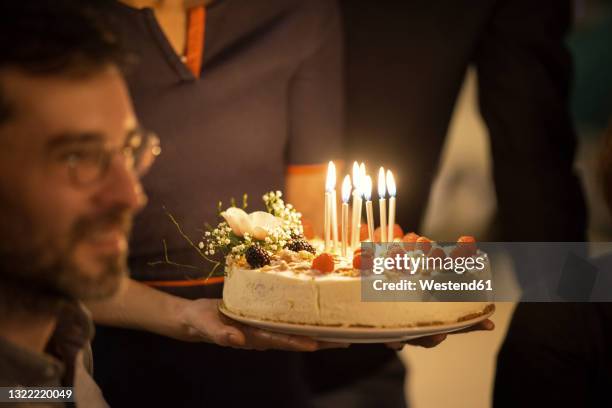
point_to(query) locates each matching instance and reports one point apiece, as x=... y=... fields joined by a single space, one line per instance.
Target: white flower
x=258 y=223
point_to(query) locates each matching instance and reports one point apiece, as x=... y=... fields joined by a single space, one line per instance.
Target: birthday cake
x=273 y=273
x=325 y=290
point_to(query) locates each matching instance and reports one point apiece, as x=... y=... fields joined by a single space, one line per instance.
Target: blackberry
x=298 y=245
x=257 y=257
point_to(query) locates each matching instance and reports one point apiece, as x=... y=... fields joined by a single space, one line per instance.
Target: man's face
x=57 y=235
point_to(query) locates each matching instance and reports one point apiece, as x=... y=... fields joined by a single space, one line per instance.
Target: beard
x=39 y=273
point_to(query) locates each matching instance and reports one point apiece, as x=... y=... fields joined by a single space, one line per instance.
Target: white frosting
x=332 y=299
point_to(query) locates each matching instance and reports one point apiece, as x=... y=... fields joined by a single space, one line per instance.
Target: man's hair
x=54 y=37
x=605 y=166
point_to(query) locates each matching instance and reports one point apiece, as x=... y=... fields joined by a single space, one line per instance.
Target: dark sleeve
x=524 y=72
x=316 y=91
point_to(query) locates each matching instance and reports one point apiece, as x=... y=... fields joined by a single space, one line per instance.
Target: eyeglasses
x=139 y=152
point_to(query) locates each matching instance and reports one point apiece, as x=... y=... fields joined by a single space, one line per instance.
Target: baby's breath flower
x=222 y=240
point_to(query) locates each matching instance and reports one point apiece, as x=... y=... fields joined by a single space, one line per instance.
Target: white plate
x=353 y=334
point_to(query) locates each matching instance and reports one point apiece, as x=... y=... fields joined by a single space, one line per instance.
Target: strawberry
x=437 y=253
x=324 y=263
x=362 y=261
x=363 y=232
x=397 y=232
x=410 y=239
x=424 y=244
x=395 y=249
x=469 y=243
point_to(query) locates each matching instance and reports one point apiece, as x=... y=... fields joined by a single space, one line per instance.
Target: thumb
x=210 y=326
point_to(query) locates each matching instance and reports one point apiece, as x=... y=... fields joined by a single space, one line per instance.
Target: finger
x=428 y=341
x=324 y=345
x=262 y=339
x=397 y=346
x=486 y=325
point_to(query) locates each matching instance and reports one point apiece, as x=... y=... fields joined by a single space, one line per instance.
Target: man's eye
x=81 y=156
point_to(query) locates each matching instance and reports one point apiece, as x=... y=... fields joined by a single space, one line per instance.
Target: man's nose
x=121 y=186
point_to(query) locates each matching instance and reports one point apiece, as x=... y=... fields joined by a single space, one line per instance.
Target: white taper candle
x=346 y=194
x=369 y=212
x=382 y=204
x=392 y=191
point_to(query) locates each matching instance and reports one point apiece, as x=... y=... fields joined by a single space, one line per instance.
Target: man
x=69 y=188
x=71 y=157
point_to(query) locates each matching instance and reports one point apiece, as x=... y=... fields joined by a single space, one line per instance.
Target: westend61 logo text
x=412 y=264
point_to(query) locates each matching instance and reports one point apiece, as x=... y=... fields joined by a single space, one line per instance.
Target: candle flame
x=330 y=183
x=367 y=188
x=362 y=172
x=346 y=188
x=382 y=189
x=391 y=183
x=356 y=175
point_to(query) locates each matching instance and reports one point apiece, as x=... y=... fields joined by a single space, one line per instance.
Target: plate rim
x=356 y=332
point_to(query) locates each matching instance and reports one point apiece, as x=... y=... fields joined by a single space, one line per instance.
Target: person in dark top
x=248 y=98
x=246 y=101
x=72 y=157
x=559 y=354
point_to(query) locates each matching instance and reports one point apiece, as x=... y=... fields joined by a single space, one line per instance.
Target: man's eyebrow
x=68 y=138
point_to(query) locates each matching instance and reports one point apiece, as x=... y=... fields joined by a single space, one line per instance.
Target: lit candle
x=391 y=190
x=334 y=206
x=356 y=217
x=382 y=204
x=346 y=193
x=367 y=195
x=329 y=185
x=362 y=176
